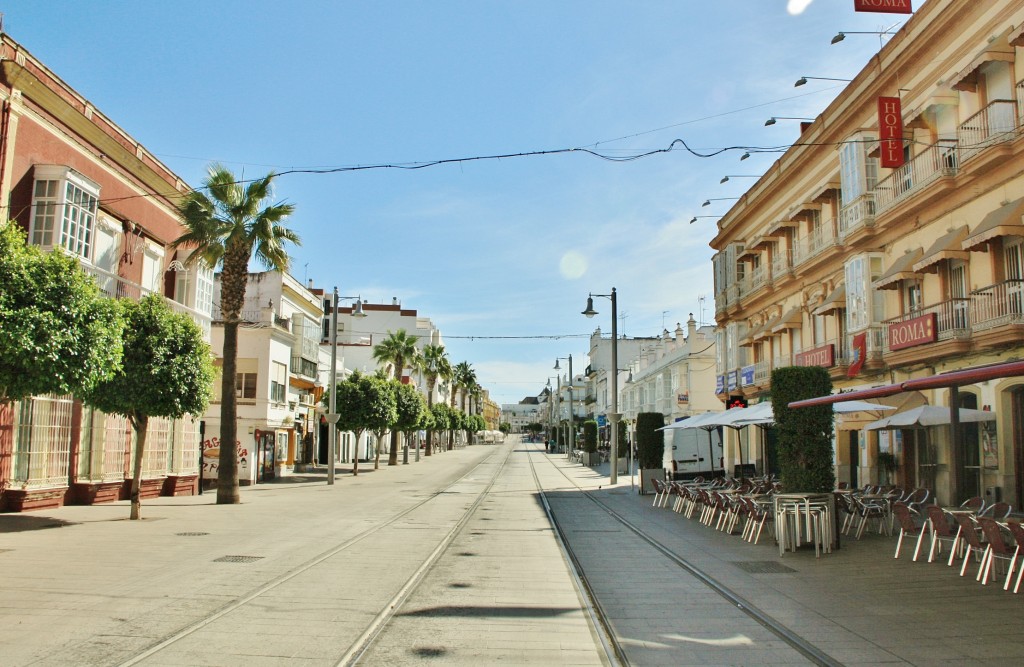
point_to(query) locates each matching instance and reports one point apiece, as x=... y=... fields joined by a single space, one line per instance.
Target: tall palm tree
x=465 y=378
x=399 y=350
x=226 y=228
x=434 y=364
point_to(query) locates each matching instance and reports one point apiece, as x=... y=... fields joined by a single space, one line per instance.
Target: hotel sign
x=912 y=332
x=883 y=6
x=890 y=125
x=823 y=356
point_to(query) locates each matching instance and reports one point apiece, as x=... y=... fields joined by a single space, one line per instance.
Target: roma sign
x=883 y=6
x=912 y=332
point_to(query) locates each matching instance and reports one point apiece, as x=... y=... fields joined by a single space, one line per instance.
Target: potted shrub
x=590 y=456
x=650 y=449
x=623 y=455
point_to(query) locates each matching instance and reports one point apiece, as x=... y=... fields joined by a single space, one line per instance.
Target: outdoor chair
x=844 y=504
x=1018 y=535
x=938 y=524
x=758 y=516
x=916 y=500
x=866 y=511
x=996 y=511
x=996 y=548
x=660 y=492
x=908 y=527
x=967 y=537
x=975 y=504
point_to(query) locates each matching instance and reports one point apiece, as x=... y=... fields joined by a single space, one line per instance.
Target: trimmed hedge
x=806 y=462
x=623 y=444
x=590 y=436
x=650 y=442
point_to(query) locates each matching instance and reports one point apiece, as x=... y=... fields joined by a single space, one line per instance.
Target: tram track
x=351 y=655
x=804 y=647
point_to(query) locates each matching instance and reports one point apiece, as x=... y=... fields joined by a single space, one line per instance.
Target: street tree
x=435 y=365
x=442 y=417
x=410 y=408
x=358 y=403
x=465 y=379
x=383 y=410
x=226 y=228
x=166 y=371
x=58 y=334
x=399 y=351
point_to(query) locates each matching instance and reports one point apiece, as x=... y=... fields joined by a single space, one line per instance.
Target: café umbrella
x=929 y=415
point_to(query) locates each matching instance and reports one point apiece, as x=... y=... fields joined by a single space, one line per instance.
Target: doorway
x=1017 y=431
x=970 y=452
x=854 y=453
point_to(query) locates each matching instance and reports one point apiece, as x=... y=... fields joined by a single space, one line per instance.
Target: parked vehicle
x=692 y=452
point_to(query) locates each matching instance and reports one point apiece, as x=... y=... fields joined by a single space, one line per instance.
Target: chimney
x=394 y=301
x=691 y=326
x=310 y=285
x=679 y=332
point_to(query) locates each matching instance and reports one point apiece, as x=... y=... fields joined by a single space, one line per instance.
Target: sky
x=499 y=253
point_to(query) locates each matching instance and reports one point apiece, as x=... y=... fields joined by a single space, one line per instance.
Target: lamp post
x=572 y=424
x=614 y=416
x=775 y=119
x=803 y=80
x=332 y=415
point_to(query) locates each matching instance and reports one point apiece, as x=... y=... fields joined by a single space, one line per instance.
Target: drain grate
x=237 y=559
x=190 y=534
x=763 y=567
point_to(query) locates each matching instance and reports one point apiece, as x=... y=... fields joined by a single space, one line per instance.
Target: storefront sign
x=719 y=384
x=823 y=356
x=682 y=399
x=747 y=375
x=733 y=376
x=883 y=6
x=890 y=125
x=912 y=332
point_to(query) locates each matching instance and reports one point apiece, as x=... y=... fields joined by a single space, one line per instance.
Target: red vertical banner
x=883 y=6
x=890 y=125
x=858 y=354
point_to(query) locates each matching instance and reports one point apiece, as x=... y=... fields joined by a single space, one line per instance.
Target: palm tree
x=434 y=364
x=465 y=378
x=399 y=350
x=225 y=228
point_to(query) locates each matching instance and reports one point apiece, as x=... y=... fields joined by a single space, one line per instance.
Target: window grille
x=104 y=441
x=42 y=447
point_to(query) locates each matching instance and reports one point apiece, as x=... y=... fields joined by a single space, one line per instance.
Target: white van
x=692 y=452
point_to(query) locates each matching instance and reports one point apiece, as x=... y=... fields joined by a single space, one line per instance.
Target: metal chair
x=967 y=537
x=995 y=548
x=938 y=525
x=997 y=511
x=907 y=527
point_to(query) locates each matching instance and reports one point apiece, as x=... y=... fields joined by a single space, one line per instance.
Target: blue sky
x=485 y=248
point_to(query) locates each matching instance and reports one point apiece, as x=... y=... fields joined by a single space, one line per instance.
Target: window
x=278 y=382
x=857 y=172
x=64 y=208
x=911 y=296
x=245 y=385
x=864 y=306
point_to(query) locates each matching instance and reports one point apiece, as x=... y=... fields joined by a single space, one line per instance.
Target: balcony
x=935 y=162
x=997 y=305
x=815 y=243
x=858 y=214
x=952 y=319
x=782 y=265
x=116 y=287
x=303 y=367
x=757 y=278
x=994 y=124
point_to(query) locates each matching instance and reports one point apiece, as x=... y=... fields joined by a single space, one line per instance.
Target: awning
x=1016 y=36
x=953 y=379
x=1004 y=221
x=967 y=79
x=826 y=191
x=949 y=246
x=900 y=270
x=760 y=332
x=835 y=301
x=779 y=227
x=791 y=320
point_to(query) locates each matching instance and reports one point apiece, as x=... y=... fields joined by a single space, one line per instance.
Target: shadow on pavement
x=16 y=523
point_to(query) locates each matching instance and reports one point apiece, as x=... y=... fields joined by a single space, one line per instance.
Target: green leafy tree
x=442 y=417
x=410 y=408
x=623 y=440
x=650 y=442
x=384 y=412
x=57 y=333
x=434 y=364
x=590 y=436
x=804 y=435
x=226 y=228
x=352 y=405
x=166 y=371
x=533 y=428
x=506 y=428
x=399 y=351
x=465 y=378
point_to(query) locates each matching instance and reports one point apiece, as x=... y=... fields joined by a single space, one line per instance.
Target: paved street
x=453 y=561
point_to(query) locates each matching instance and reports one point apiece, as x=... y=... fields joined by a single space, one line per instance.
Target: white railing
x=857 y=214
x=781 y=264
x=928 y=166
x=42 y=445
x=757 y=277
x=952 y=318
x=116 y=287
x=997 y=305
x=815 y=243
x=994 y=124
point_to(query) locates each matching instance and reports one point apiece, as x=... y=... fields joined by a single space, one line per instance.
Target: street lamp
x=725 y=179
x=332 y=415
x=572 y=425
x=803 y=80
x=707 y=202
x=614 y=416
x=774 y=119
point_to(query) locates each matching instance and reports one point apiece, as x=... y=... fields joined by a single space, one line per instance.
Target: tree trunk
x=393 y=454
x=227 y=472
x=355 y=454
x=141 y=425
x=429 y=443
x=233 y=279
x=376 y=452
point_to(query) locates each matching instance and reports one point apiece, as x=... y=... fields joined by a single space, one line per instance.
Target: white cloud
x=796 y=7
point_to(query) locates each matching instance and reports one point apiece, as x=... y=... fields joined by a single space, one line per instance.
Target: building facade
x=74 y=180
x=887 y=245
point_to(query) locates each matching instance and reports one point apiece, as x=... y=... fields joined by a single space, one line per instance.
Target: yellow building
x=916 y=269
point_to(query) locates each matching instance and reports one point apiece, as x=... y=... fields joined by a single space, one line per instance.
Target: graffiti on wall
x=211 y=459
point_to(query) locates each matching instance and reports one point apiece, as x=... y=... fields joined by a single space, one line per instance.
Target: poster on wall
x=211 y=459
x=989 y=445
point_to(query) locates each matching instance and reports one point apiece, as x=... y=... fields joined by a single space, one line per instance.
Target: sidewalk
x=858 y=604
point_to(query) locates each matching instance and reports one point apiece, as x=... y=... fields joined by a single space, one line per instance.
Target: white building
x=278 y=376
